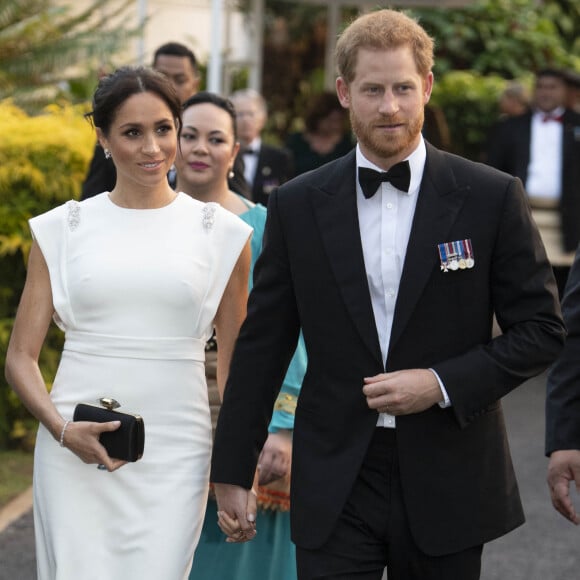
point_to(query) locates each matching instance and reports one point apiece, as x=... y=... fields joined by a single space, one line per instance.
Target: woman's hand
x=82 y=438
x=237 y=509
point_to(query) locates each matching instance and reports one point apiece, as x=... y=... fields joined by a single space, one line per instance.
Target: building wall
x=185 y=21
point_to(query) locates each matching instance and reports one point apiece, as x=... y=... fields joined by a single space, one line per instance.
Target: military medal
x=453 y=255
x=469 y=261
x=457 y=255
x=442 y=256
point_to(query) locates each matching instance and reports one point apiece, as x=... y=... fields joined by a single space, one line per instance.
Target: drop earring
x=107 y=154
x=231 y=174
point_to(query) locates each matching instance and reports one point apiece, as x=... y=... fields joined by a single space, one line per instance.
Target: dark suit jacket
x=274 y=168
x=457 y=476
x=509 y=150
x=563 y=390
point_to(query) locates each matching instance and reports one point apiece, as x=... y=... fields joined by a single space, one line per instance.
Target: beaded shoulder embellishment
x=74 y=214
x=208 y=215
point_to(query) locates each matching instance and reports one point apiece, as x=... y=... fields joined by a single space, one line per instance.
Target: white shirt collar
x=557 y=112
x=255 y=145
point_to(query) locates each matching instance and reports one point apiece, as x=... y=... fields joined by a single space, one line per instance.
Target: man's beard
x=385 y=145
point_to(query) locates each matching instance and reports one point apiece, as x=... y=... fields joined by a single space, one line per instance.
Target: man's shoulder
x=572 y=117
x=514 y=125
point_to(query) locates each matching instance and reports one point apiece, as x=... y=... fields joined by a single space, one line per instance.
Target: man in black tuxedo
x=542 y=148
x=563 y=406
x=400 y=452
x=266 y=166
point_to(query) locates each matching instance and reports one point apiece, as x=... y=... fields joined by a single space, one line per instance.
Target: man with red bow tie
x=542 y=148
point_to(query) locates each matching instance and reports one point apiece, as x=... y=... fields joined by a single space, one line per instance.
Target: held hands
x=563 y=469
x=82 y=438
x=402 y=392
x=237 y=506
x=276 y=457
x=237 y=509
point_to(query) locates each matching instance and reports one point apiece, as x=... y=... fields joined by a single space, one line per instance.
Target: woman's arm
x=30 y=327
x=230 y=315
x=23 y=373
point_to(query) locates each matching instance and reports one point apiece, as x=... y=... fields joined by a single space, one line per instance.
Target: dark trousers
x=373 y=532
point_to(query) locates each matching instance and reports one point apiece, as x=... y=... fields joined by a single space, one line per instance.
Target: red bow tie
x=548 y=117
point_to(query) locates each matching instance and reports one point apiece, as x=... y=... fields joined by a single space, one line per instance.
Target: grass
x=15 y=474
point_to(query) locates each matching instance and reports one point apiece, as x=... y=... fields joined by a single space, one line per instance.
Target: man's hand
x=276 y=457
x=237 y=509
x=403 y=392
x=564 y=468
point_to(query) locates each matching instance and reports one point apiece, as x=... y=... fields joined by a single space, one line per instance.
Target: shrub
x=43 y=161
x=469 y=102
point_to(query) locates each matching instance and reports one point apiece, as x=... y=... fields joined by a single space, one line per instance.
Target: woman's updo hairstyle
x=114 y=89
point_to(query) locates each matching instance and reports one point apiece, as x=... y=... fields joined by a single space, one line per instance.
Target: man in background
x=542 y=148
x=179 y=64
x=265 y=166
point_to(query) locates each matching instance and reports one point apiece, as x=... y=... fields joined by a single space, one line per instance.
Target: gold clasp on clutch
x=109 y=403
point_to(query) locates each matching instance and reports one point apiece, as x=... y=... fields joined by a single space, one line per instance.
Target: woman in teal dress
x=208 y=149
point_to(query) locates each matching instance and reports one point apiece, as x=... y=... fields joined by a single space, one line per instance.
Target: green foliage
x=44 y=46
x=505 y=37
x=500 y=39
x=43 y=160
x=470 y=104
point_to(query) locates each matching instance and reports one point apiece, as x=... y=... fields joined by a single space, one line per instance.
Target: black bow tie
x=249 y=151
x=399 y=175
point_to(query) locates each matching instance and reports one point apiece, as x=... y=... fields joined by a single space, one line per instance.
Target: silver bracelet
x=61 y=440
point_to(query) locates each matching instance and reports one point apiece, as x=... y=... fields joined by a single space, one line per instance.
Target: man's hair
x=321 y=106
x=572 y=78
x=551 y=72
x=252 y=95
x=383 y=30
x=176 y=49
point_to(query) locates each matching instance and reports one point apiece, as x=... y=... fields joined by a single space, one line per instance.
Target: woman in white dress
x=137 y=278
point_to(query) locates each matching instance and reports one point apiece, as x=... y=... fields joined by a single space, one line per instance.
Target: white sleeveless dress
x=136 y=292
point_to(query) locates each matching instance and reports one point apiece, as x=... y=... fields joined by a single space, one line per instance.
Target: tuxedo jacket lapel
x=335 y=210
x=439 y=203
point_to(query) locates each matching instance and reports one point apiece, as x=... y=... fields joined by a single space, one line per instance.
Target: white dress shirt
x=385 y=226
x=251 y=160
x=544 y=177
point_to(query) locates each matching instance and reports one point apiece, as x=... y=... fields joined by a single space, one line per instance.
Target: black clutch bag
x=128 y=441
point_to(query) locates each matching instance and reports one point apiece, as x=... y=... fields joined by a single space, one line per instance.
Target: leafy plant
x=43 y=161
x=45 y=46
x=509 y=38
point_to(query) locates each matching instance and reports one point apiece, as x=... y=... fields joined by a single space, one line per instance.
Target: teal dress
x=271 y=554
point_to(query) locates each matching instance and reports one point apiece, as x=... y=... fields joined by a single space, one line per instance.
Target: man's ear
x=428 y=87
x=342 y=92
